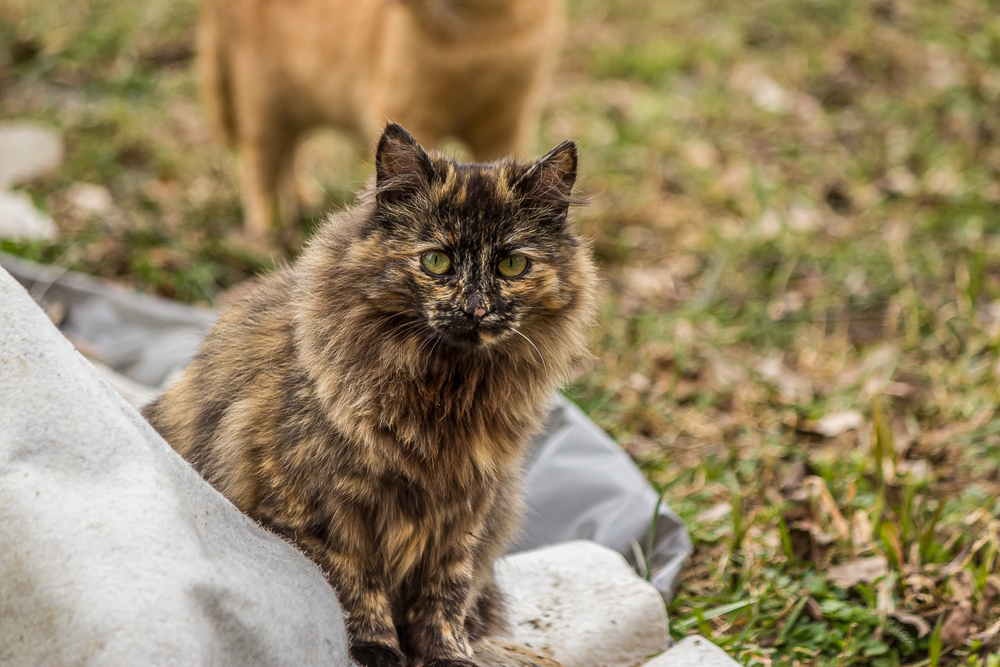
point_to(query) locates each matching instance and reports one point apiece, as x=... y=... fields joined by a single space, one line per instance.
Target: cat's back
x=290 y=26
x=249 y=348
x=310 y=53
x=249 y=364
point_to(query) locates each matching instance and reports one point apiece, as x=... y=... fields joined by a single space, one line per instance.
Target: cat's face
x=474 y=255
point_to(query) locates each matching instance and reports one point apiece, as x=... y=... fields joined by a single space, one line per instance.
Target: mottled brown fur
x=273 y=69
x=375 y=413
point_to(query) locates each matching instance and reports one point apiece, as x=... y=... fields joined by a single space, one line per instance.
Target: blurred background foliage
x=796 y=208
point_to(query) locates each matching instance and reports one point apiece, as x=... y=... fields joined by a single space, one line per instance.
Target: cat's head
x=476 y=256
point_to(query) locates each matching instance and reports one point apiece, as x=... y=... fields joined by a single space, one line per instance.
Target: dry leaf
x=792 y=480
x=823 y=504
x=900 y=181
x=989 y=633
x=684 y=266
x=992 y=581
x=788 y=304
x=943 y=435
x=813 y=609
x=956 y=627
x=793 y=387
x=640 y=447
x=714 y=513
x=769 y=96
x=922 y=626
x=961 y=585
x=724 y=374
x=735 y=178
x=86 y=199
x=943 y=69
x=700 y=154
x=861 y=530
x=769 y=225
x=853 y=572
x=919 y=470
x=650 y=282
x=803 y=218
x=977 y=515
x=899 y=390
x=890 y=535
x=834 y=424
x=639 y=382
x=56 y=311
x=886 y=595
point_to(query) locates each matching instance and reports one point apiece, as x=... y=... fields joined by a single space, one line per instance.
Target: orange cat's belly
x=453 y=100
x=439 y=91
x=355 y=76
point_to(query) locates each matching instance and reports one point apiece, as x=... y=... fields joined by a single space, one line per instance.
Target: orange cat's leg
x=507 y=132
x=266 y=143
x=288 y=189
x=267 y=181
x=257 y=195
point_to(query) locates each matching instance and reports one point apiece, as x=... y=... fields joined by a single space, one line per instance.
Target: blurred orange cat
x=475 y=70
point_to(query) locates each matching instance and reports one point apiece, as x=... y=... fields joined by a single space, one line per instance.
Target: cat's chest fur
x=457 y=423
x=415 y=480
x=416 y=533
x=446 y=441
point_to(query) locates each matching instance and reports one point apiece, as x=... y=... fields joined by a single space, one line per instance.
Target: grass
x=796 y=207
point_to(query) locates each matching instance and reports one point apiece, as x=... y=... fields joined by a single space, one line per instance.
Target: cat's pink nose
x=479 y=312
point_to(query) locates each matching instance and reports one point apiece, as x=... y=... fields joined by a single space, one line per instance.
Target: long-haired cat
x=372 y=401
x=273 y=69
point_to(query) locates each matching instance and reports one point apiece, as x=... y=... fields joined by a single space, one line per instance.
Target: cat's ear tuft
x=402 y=167
x=549 y=182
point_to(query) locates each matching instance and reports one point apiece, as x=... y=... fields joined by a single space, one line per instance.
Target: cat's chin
x=474 y=339
x=491 y=338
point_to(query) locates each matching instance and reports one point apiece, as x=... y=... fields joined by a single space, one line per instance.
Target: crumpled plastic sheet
x=579 y=484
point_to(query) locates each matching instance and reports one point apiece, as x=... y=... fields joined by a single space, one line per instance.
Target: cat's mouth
x=475 y=335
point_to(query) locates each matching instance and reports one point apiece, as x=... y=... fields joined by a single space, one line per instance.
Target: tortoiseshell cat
x=372 y=401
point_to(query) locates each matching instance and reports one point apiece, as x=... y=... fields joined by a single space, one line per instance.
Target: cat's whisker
x=428 y=340
x=540 y=357
x=403 y=328
x=406 y=327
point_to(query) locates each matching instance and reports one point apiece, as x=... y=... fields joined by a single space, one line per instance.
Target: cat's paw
x=377 y=655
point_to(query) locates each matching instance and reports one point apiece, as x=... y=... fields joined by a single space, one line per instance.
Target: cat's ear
x=402 y=167
x=548 y=183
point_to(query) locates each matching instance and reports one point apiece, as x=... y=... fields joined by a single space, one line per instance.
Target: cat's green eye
x=436 y=262
x=513 y=265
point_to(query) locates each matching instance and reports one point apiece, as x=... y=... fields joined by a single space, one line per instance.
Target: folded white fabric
x=113 y=551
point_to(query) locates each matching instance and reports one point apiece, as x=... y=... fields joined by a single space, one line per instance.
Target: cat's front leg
x=367 y=610
x=374 y=642
x=434 y=631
